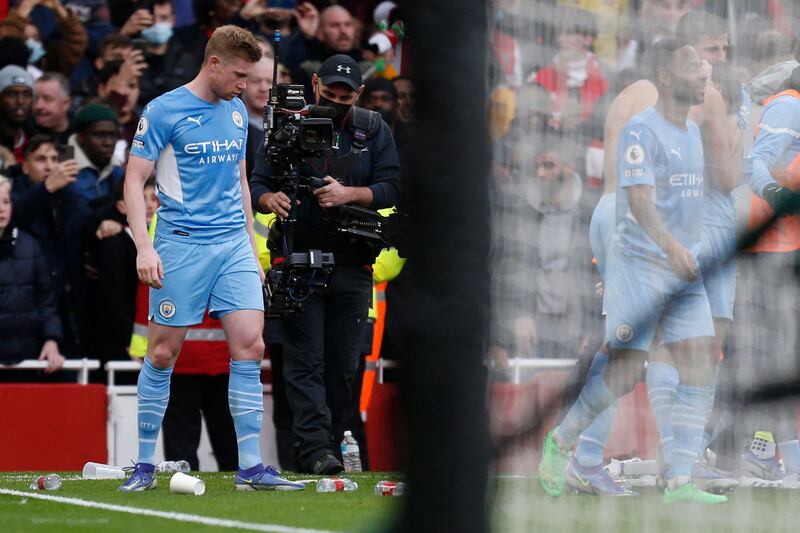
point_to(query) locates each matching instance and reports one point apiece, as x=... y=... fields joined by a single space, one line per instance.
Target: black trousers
x=321 y=349
x=190 y=396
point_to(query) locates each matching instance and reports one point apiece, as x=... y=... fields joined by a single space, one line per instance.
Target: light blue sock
x=592 y=441
x=790 y=453
x=593 y=400
x=152 y=392
x=662 y=381
x=711 y=391
x=246 y=401
x=688 y=426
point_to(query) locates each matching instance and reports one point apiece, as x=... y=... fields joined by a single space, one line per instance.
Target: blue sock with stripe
x=593 y=400
x=152 y=392
x=688 y=426
x=246 y=401
x=662 y=382
x=592 y=441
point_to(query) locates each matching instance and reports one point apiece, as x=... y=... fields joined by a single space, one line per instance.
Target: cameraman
x=322 y=342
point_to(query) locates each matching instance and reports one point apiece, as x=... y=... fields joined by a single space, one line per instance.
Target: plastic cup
x=181 y=483
x=101 y=471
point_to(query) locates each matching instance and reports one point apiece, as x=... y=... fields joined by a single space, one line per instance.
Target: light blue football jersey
x=656 y=152
x=197 y=147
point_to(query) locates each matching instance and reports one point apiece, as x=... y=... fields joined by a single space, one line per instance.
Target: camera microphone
x=319 y=111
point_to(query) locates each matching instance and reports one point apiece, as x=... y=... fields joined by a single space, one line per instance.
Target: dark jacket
x=28 y=315
x=375 y=167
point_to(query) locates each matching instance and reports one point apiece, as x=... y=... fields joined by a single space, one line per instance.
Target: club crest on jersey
x=166 y=309
x=237 y=119
x=634 y=155
x=624 y=333
x=141 y=127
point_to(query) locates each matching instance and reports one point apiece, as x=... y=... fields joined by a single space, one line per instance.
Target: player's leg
x=585 y=472
x=688 y=332
x=152 y=391
x=631 y=303
x=662 y=384
x=236 y=300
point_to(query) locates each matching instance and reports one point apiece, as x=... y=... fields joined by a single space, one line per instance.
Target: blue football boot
x=594 y=480
x=264 y=478
x=142 y=478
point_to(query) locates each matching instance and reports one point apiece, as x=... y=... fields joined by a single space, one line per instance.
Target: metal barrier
x=516 y=364
x=83 y=366
x=112 y=367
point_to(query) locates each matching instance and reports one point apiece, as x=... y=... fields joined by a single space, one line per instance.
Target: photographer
x=322 y=341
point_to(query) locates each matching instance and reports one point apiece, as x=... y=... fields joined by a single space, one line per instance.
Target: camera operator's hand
x=139 y=20
x=333 y=194
x=276 y=202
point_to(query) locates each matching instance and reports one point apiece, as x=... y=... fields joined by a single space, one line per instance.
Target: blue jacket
x=28 y=314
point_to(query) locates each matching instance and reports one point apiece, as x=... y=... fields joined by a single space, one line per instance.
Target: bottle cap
x=348 y=433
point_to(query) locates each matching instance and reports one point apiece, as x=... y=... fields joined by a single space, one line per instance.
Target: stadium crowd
x=76 y=75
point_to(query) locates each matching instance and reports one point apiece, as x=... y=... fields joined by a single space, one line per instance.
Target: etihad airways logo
x=217 y=151
x=691 y=184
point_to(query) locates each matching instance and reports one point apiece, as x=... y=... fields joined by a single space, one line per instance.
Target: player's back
x=654 y=151
x=197 y=147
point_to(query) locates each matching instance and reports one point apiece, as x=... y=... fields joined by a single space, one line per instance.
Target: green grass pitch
x=355 y=511
x=518 y=505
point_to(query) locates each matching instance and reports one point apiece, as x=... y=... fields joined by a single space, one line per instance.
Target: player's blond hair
x=232 y=42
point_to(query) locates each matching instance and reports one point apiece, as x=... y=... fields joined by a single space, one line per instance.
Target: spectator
x=29 y=324
x=115 y=47
x=62 y=54
x=573 y=78
x=51 y=105
x=95 y=17
x=37 y=194
x=539 y=286
x=256 y=96
x=381 y=95
x=16 y=103
x=161 y=45
x=120 y=93
x=113 y=254
x=405 y=99
x=94 y=140
x=13 y=51
x=335 y=34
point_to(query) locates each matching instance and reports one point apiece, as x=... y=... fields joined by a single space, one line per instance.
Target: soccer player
x=708 y=35
x=653 y=275
x=204 y=255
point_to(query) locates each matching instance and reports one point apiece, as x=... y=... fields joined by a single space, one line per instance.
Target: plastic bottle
x=328 y=484
x=390 y=488
x=351 y=457
x=174 y=466
x=48 y=482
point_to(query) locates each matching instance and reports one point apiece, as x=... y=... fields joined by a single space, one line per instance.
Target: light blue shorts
x=718 y=263
x=642 y=296
x=601 y=230
x=221 y=277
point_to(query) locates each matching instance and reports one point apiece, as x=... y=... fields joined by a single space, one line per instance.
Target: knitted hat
x=91 y=113
x=384 y=40
x=14 y=76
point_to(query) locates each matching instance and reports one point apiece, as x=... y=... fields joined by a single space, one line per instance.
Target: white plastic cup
x=101 y=471
x=181 y=483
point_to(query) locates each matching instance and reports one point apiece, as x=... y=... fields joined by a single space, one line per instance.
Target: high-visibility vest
x=784 y=234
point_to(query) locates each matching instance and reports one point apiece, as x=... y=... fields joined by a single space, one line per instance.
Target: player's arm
x=681 y=260
x=148 y=264
x=777 y=131
x=248 y=213
x=719 y=140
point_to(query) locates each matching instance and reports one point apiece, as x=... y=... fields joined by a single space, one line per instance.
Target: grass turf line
x=308 y=509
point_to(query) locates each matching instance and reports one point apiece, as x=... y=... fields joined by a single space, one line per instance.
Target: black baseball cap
x=341 y=69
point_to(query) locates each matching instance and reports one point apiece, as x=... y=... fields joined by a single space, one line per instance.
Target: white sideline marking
x=180 y=517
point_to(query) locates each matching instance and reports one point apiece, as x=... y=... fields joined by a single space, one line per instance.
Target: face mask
x=341 y=109
x=159 y=33
x=37 y=50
